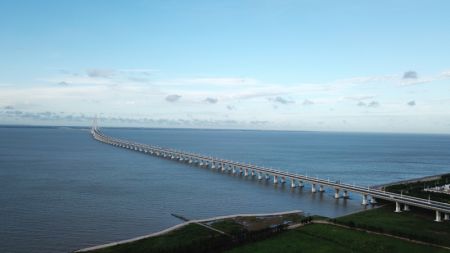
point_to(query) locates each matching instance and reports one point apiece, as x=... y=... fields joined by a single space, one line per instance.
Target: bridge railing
x=329 y=183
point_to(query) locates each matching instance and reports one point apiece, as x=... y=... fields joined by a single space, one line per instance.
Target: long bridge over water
x=341 y=190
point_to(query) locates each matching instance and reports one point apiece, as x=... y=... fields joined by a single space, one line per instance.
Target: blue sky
x=378 y=66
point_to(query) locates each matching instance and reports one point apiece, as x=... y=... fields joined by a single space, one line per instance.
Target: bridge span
x=369 y=195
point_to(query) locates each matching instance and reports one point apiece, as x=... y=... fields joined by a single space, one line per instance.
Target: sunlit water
x=60 y=190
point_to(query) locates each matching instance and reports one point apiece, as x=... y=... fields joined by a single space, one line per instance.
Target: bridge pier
x=336 y=193
x=442 y=210
x=364 y=199
x=373 y=201
x=293 y=183
x=438 y=217
x=345 y=194
x=321 y=188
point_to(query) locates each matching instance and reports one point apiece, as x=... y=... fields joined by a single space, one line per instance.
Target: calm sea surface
x=60 y=190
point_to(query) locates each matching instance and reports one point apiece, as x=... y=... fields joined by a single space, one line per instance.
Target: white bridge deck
x=296 y=180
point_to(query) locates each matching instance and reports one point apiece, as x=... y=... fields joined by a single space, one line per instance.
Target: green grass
x=318 y=238
x=415 y=224
x=191 y=238
x=228 y=226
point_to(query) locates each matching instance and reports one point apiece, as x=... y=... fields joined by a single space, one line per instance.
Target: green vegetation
x=320 y=238
x=416 y=224
x=267 y=234
x=196 y=238
x=228 y=226
x=191 y=238
x=312 y=238
x=416 y=189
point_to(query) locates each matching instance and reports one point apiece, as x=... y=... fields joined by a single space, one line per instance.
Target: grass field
x=319 y=238
x=415 y=224
x=191 y=238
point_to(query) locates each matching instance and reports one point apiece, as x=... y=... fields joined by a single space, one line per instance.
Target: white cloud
x=173 y=98
x=102 y=73
x=210 y=100
x=307 y=102
x=281 y=100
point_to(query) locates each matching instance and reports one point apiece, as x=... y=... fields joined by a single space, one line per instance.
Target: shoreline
x=167 y=230
x=407 y=181
x=217 y=218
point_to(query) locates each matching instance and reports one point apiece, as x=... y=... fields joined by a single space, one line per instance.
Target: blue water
x=60 y=190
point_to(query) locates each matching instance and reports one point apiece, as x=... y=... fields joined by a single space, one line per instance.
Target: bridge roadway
x=297 y=180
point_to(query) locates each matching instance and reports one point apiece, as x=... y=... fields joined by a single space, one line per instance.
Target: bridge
x=369 y=195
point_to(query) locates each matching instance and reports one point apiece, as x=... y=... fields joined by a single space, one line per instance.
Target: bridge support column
x=283 y=180
x=222 y=168
x=293 y=183
x=446 y=216
x=321 y=188
x=233 y=170
x=373 y=201
x=336 y=193
x=345 y=194
x=405 y=207
x=245 y=172
x=267 y=177
x=213 y=165
x=364 y=199
x=438 y=217
x=253 y=173
x=300 y=184
x=397 y=207
x=275 y=179
x=313 y=188
x=259 y=175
